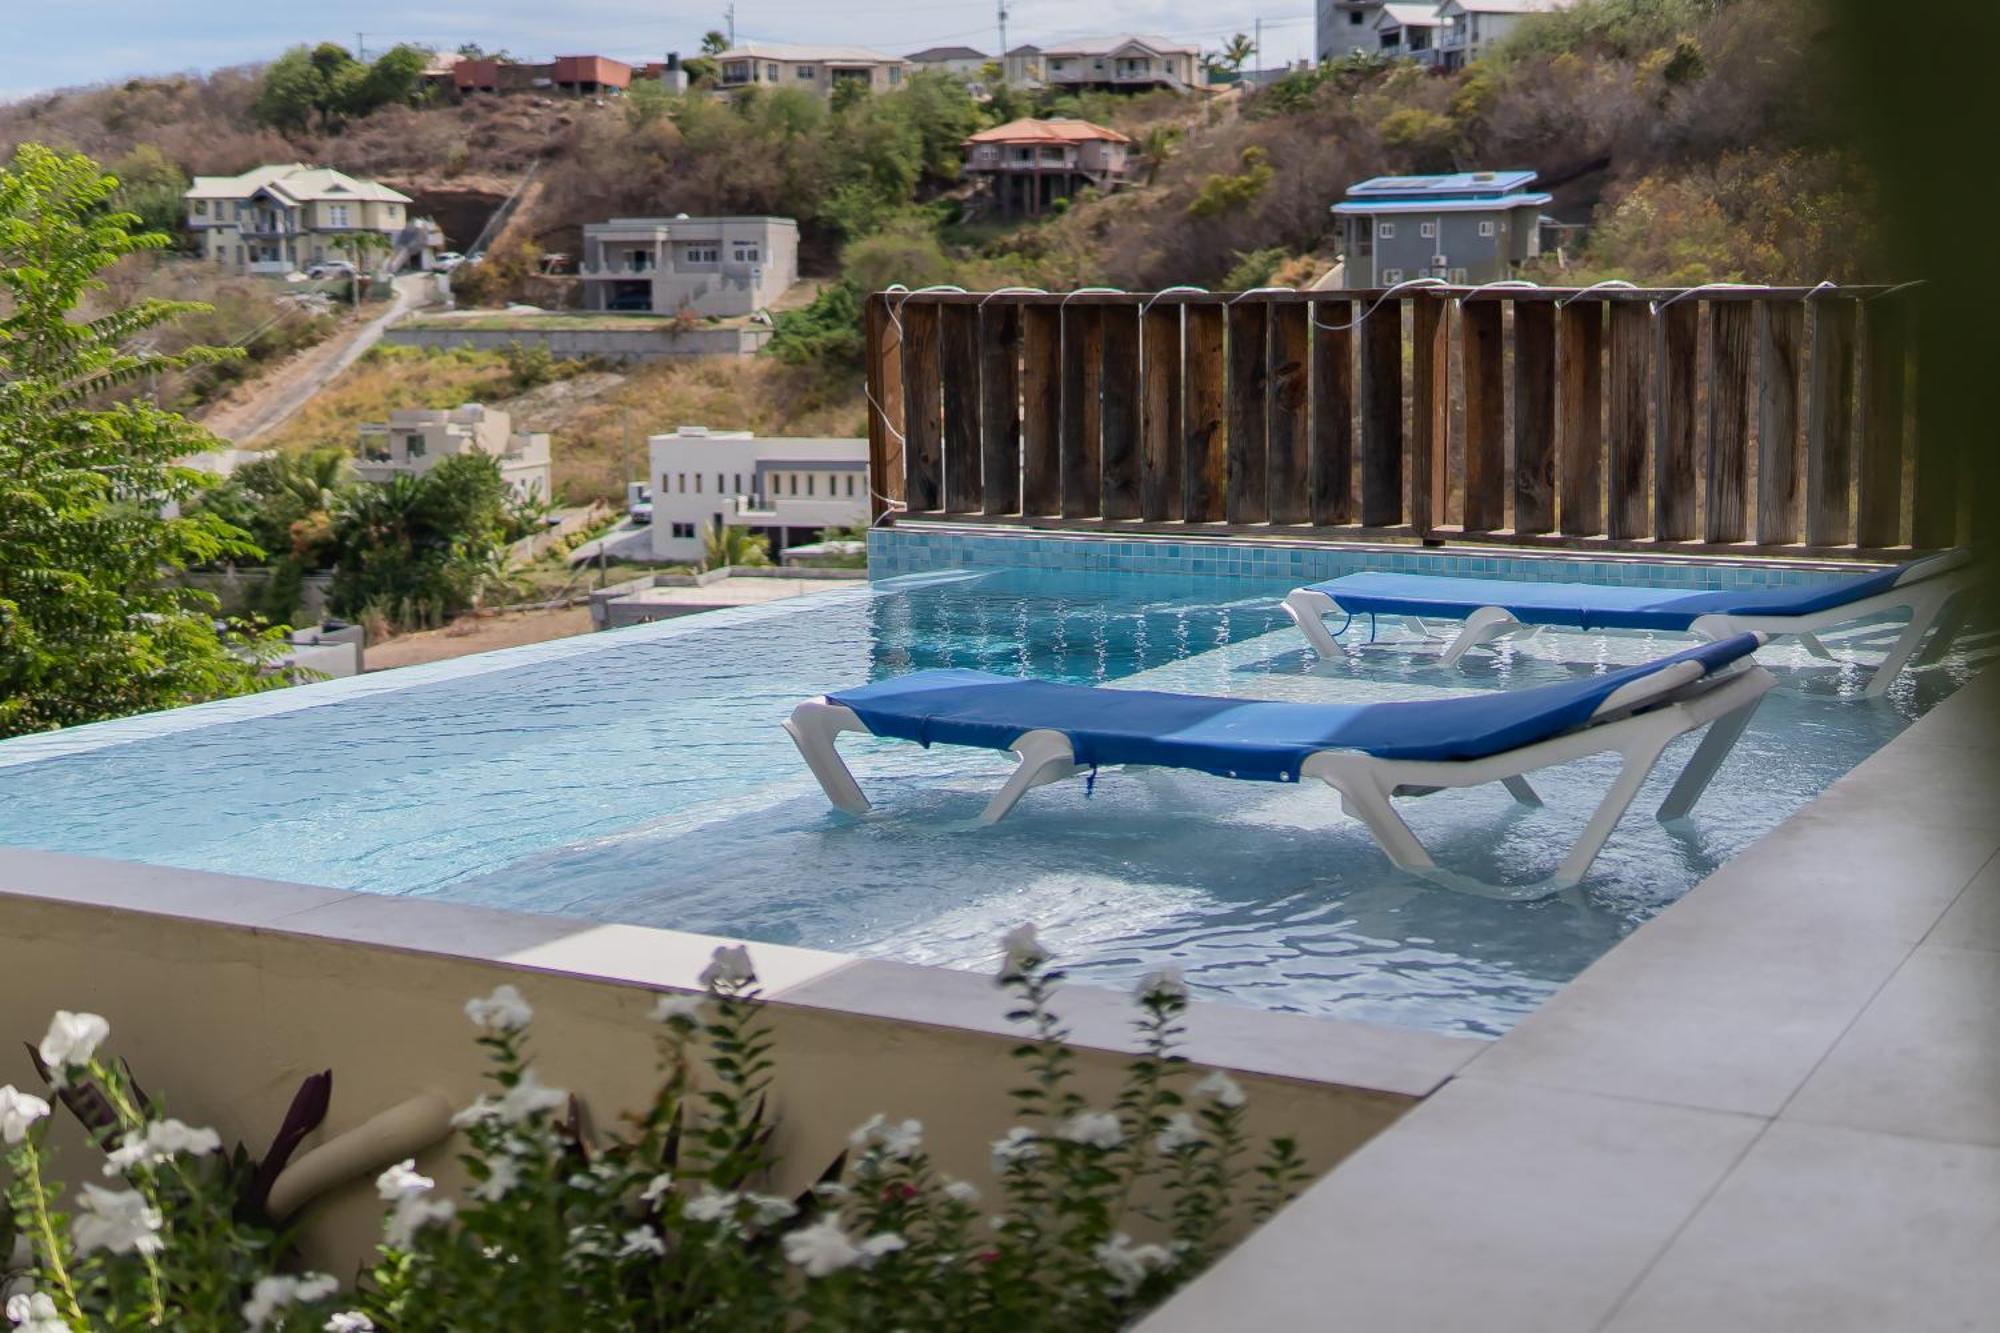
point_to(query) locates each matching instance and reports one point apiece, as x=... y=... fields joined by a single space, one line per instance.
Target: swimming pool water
x=641 y=776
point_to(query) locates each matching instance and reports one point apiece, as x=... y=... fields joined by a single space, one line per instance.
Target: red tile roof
x=1047 y=131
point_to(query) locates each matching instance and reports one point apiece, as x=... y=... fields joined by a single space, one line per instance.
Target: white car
x=447 y=261
x=330 y=268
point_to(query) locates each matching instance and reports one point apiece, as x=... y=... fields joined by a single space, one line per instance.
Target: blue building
x=1471 y=227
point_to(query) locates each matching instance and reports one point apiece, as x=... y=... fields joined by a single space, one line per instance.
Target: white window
x=336 y=215
x=1392 y=276
x=1386 y=230
x=809 y=484
x=201 y=208
x=850 y=485
x=703 y=254
x=771 y=73
x=682 y=488
x=1427 y=230
x=738 y=479
x=684 y=531
x=746 y=254
x=1353 y=17
x=697 y=483
x=807 y=72
x=895 y=74
x=1486 y=228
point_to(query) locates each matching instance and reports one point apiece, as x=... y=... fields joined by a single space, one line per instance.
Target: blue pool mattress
x=1261 y=740
x=1587 y=605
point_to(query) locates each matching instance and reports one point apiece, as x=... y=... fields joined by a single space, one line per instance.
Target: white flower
x=711 y=1206
x=1094 y=1129
x=1018 y=1146
x=35 y=1312
x=897 y=1141
x=769 y=1208
x=349 y=1321
x=162 y=1139
x=1165 y=984
x=72 y=1040
x=587 y=1241
x=961 y=1191
x=657 y=1187
x=731 y=963
x=669 y=1008
x=1130 y=1263
x=503 y=1174
x=18 y=1110
x=1180 y=1132
x=822 y=1248
x=502 y=1011
x=1022 y=949
x=529 y=1097
x=641 y=1240
x=402 y=1181
x=120 y=1221
x=886 y=1242
x=1223 y=1088
x=412 y=1213
x=272 y=1294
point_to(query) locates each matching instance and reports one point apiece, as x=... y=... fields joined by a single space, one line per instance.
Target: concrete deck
x=1774 y=1107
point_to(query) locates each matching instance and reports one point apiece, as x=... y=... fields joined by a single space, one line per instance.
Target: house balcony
x=794 y=511
x=624 y=271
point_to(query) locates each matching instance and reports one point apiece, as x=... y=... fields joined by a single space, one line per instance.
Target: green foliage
x=328 y=85
x=1620 y=28
x=1221 y=194
x=904 y=251
x=827 y=332
x=1254 y=268
x=151 y=188
x=418 y=550
x=647 y=102
x=285 y=501
x=724 y=545
x=91 y=625
x=1425 y=138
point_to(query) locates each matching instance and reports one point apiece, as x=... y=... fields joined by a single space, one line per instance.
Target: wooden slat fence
x=1744 y=419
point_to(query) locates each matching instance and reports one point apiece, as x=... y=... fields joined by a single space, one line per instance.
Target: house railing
x=1760 y=419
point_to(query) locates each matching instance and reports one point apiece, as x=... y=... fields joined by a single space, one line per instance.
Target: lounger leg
x=1045 y=757
x=1365 y=795
x=813 y=726
x=1639 y=762
x=1308 y=610
x=1814 y=646
x=1488 y=622
x=1518 y=787
x=1922 y=615
x=1722 y=736
x=1956 y=611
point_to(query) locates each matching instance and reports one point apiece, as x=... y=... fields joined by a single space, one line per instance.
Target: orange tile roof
x=1047 y=131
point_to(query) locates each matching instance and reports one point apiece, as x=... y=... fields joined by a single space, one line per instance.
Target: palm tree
x=1235 y=54
x=1156 y=145
x=713 y=43
x=723 y=546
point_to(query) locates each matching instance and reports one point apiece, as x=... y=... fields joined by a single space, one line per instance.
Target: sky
x=64 y=43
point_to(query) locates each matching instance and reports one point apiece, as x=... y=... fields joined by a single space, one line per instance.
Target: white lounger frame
x=1638 y=721
x=1927 y=591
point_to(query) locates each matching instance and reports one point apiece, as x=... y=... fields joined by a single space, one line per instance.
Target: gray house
x=1472 y=227
x=711 y=266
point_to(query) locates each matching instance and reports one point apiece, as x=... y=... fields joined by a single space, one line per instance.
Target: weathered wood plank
x=1534 y=417
x=1331 y=469
x=1631 y=413
x=1878 y=518
x=922 y=407
x=1041 y=409
x=1290 y=392
x=1480 y=347
x=1160 y=434
x=1000 y=408
x=885 y=414
x=1382 y=415
x=1121 y=413
x=1249 y=485
x=1727 y=495
x=1780 y=354
x=958 y=360
x=1830 y=424
x=1678 y=331
x=1581 y=404
x=1430 y=409
x=1082 y=408
x=1205 y=466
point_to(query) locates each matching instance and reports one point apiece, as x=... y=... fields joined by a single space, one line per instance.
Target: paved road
x=294 y=384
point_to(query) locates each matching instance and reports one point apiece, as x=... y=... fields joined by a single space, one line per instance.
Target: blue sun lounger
x=1496 y=608
x=1367 y=752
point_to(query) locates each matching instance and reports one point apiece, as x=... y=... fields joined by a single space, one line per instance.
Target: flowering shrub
x=1097 y=1211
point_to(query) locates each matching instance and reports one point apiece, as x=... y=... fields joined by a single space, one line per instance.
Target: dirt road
x=478 y=634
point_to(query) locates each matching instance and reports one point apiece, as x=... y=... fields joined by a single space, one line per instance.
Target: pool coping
x=1701 y=1130
x=1305 y=1048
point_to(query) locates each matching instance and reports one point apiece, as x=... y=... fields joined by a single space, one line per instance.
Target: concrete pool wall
x=225 y=992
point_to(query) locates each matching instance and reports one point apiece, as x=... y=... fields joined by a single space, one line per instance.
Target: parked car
x=329 y=268
x=447 y=261
x=638 y=502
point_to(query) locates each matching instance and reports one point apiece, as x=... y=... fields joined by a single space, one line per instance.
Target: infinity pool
x=641 y=776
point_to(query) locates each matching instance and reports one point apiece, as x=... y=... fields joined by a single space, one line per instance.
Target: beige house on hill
x=413 y=441
x=275 y=219
x=815 y=69
x=1024 y=166
x=1126 y=62
x=710 y=266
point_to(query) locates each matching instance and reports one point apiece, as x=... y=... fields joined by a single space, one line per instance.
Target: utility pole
x=361 y=47
x=1003 y=43
x=730 y=14
x=1257 y=52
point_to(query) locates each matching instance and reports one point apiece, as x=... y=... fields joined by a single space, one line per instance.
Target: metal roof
x=1048 y=131
x=1367 y=207
x=1433 y=187
x=945 y=53
x=804 y=54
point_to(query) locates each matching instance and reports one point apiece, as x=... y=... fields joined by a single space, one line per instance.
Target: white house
x=1473 y=27
x=414 y=440
x=711 y=266
x=815 y=69
x=1126 y=62
x=1345 y=27
x=964 y=61
x=275 y=219
x=1410 y=31
x=786 y=489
